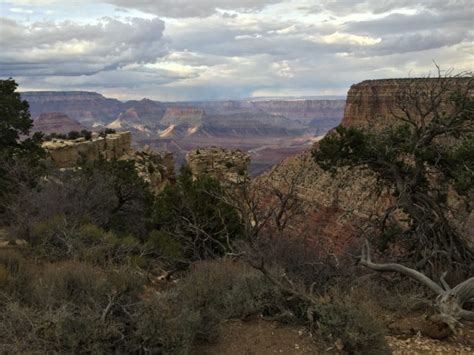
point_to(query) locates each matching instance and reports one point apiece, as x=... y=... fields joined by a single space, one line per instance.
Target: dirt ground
x=260 y=337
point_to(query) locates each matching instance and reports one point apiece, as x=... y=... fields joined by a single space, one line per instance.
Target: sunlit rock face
x=227 y=166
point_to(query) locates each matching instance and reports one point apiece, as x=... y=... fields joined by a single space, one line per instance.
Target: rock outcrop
x=227 y=166
x=71 y=153
x=156 y=168
x=55 y=122
x=318 y=113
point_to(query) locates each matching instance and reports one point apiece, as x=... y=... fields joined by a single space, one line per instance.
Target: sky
x=228 y=49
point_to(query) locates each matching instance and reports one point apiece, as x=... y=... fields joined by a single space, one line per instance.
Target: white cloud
x=231 y=48
x=20 y=10
x=69 y=48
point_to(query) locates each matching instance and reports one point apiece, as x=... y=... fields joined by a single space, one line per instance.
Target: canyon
x=268 y=130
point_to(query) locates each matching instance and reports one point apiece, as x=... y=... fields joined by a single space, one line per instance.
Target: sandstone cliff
x=228 y=166
x=372 y=104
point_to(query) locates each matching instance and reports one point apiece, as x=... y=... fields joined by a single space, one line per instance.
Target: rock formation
x=156 y=168
x=372 y=104
x=55 y=122
x=71 y=153
x=228 y=166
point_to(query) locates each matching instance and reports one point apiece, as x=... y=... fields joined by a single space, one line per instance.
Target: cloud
x=232 y=49
x=69 y=48
x=191 y=8
x=20 y=10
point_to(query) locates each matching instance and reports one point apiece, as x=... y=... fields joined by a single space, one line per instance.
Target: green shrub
x=73 y=135
x=193 y=211
x=165 y=245
x=86 y=134
x=171 y=321
x=57 y=239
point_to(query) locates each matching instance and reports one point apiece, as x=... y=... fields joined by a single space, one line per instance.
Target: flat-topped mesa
x=227 y=166
x=374 y=103
x=71 y=153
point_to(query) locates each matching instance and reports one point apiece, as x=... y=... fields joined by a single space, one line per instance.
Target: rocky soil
x=258 y=336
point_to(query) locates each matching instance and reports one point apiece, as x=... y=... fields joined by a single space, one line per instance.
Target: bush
x=172 y=321
x=73 y=135
x=304 y=262
x=192 y=211
x=107 y=131
x=57 y=239
x=222 y=290
x=166 y=327
x=164 y=245
x=110 y=195
x=86 y=134
x=68 y=308
x=359 y=332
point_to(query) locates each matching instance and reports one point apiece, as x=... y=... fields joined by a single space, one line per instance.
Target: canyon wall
x=374 y=104
x=56 y=122
x=82 y=106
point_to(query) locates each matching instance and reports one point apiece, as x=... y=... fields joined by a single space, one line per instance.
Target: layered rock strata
x=55 y=122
